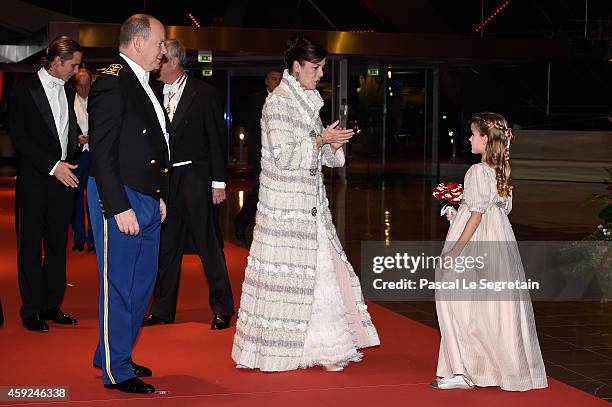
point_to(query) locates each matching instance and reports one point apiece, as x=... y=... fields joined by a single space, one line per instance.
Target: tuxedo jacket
x=197 y=131
x=33 y=131
x=126 y=142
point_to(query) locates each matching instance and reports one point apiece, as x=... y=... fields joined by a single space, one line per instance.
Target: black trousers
x=248 y=210
x=43 y=209
x=190 y=211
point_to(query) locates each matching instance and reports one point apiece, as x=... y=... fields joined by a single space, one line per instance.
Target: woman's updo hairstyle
x=301 y=48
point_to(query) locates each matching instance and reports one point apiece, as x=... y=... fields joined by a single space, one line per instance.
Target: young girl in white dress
x=487 y=343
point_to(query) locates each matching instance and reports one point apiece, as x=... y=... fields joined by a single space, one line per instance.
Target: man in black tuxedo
x=249 y=207
x=199 y=162
x=43 y=127
x=126 y=191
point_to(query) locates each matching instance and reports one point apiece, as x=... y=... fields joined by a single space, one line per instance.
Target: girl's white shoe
x=448 y=383
x=333 y=368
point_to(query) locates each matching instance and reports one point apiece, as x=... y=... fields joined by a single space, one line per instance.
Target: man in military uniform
x=127 y=188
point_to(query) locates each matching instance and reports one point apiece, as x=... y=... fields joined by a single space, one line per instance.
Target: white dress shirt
x=80 y=108
x=56 y=95
x=143 y=78
x=172 y=94
x=176 y=89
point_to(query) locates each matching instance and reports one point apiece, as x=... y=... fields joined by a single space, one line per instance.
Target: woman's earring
x=297 y=76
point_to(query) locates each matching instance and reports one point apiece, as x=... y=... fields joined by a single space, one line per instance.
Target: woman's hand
x=451 y=214
x=336 y=136
x=335 y=147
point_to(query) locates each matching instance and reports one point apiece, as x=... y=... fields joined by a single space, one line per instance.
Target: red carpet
x=193 y=363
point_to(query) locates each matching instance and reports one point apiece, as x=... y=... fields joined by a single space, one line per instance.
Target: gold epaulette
x=113 y=69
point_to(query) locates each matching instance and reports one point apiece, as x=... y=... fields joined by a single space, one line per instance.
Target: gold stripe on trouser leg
x=105 y=272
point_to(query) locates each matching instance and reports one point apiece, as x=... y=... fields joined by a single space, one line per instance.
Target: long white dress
x=328 y=337
x=492 y=342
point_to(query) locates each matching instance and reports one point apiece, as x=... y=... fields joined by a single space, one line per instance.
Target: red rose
x=451 y=185
x=449 y=193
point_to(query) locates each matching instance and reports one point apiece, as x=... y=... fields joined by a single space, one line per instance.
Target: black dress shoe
x=133 y=385
x=78 y=247
x=35 y=323
x=220 y=322
x=140 y=371
x=56 y=315
x=241 y=236
x=91 y=248
x=151 y=320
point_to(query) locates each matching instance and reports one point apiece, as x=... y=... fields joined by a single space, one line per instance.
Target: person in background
x=197 y=184
x=43 y=128
x=80 y=236
x=249 y=207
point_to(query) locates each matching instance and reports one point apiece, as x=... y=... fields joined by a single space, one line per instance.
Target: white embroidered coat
x=278 y=288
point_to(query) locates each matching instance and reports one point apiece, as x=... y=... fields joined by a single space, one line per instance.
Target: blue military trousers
x=128 y=267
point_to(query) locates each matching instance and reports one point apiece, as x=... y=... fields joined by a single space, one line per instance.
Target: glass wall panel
x=366 y=103
x=389 y=110
x=405 y=122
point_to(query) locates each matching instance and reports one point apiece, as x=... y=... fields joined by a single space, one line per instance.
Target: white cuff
x=218 y=184
x=54 y=168
x=182 y=163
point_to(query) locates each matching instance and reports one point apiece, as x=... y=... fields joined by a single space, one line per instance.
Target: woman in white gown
x=487 y=339
x=301 y=301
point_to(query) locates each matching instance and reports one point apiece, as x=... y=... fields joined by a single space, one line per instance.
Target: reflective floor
x=575 y=337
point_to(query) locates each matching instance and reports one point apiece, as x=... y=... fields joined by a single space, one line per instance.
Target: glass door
x=390 y=108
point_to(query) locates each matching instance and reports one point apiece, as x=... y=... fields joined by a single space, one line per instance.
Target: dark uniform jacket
x=127 y=144
x=33 y=131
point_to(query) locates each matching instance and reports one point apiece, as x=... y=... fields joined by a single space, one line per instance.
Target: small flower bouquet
x=449 y=194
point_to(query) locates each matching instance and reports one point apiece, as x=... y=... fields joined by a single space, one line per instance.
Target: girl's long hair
x=497 y=150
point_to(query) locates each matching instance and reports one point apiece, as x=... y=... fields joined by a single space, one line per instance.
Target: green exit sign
x=373 y=71
x=205 y=57
x=206 y=72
